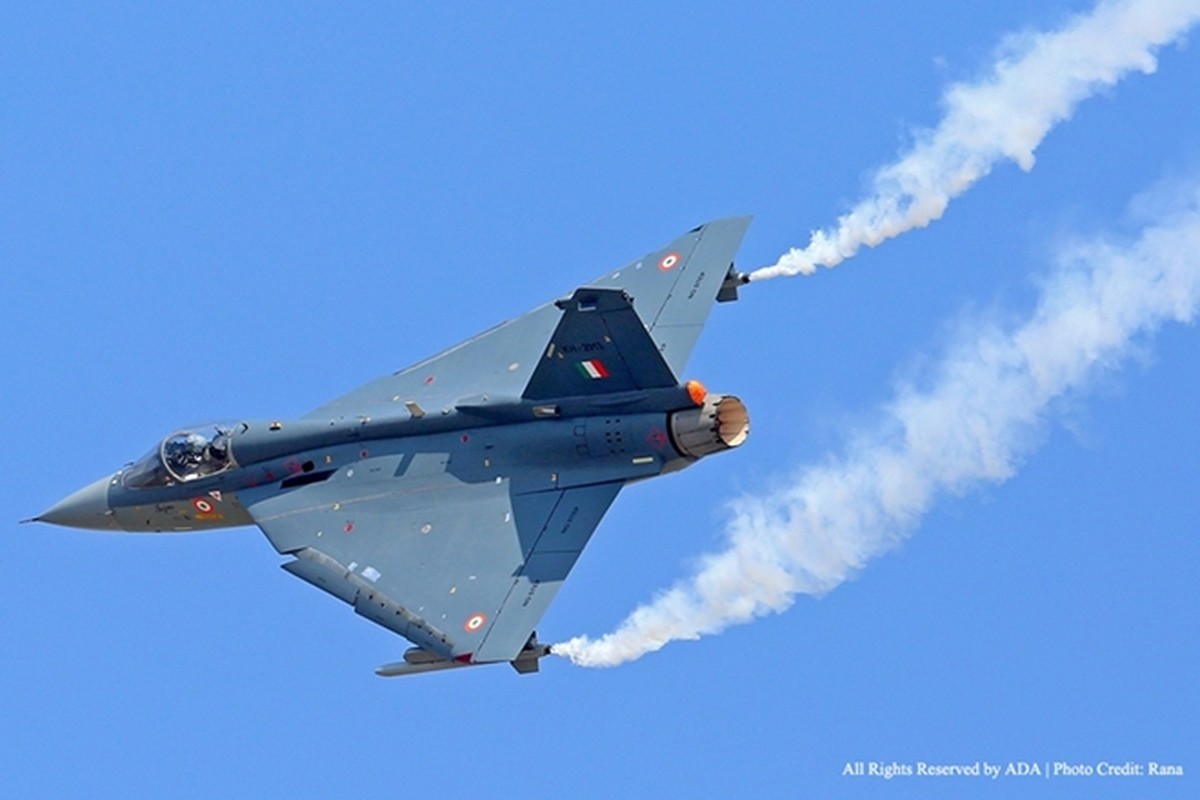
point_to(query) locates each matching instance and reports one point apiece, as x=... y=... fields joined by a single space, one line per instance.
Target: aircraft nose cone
x=86 y=508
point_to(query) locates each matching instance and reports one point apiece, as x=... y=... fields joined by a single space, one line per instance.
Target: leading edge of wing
x=672 y=290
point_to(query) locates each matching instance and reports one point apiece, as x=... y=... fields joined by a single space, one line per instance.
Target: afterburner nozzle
x=720 y=423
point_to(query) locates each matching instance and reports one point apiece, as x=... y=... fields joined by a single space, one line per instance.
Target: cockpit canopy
x=185 y=455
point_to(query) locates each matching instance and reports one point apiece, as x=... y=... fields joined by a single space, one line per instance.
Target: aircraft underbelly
x=459 y=541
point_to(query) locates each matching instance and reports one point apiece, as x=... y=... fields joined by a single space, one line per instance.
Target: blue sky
x=219 y=213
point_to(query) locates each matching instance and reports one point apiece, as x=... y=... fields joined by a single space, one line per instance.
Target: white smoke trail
x=985 y=406
x=1037 y=82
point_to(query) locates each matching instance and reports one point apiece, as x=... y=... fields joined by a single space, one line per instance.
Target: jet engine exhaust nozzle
x=720 y=423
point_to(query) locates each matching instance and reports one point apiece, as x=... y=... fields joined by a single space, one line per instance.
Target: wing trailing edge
x=418 y=661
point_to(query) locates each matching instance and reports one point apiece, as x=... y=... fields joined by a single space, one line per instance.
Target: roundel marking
x=202 y=505
x=475 y=623
x=656 y=438
x=668 y=262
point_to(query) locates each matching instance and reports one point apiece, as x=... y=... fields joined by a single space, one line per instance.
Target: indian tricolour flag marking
x=593 y=368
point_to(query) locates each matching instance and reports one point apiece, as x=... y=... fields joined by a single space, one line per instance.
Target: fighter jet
x=448 y=501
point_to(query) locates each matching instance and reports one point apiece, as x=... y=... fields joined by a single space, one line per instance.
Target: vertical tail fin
x=599 y=347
